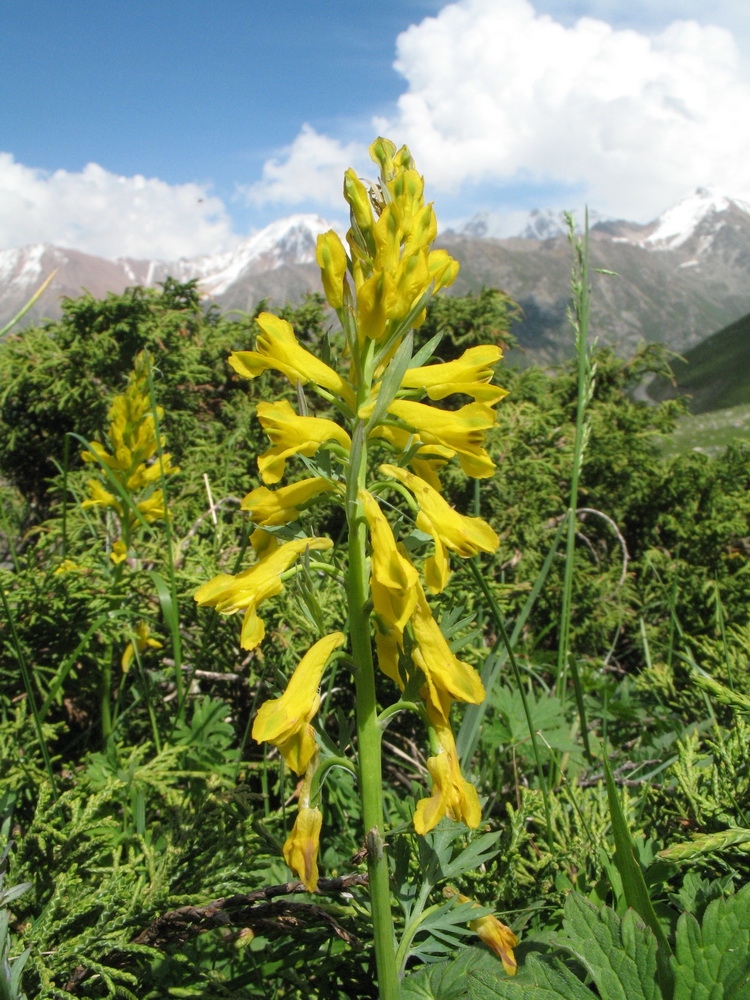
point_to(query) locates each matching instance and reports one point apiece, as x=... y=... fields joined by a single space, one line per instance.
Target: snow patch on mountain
x=684 y=220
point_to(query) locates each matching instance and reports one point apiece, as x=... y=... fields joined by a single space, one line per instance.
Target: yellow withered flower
x=452 y=795
x=246 y=591
x=278 y=348
x=448 y=679
x=273 y=507
x=290 y=435
x=301 y=847
x=393 y=578
x=461 y=534
x=471 y=374
x=496 y=936
x=463 y=431
x=285 y=721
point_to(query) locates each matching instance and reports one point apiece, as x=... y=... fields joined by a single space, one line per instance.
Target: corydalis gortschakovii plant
x=132 y=466
x=382 y=397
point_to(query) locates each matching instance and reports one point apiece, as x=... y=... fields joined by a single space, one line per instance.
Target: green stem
x=368 y=730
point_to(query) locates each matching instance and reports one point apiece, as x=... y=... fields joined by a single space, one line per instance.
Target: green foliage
x=712 y=957
x=180 y=808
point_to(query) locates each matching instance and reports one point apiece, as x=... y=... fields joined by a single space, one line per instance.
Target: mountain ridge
x=680 y=278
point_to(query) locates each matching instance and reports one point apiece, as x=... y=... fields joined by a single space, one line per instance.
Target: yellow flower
x=119 y=552
x=452 y=795
x=285 y=721
x=301 y=847
x=271 y=507
x=333 y=262
x=278 y=348
x=141 y=642
x=448 y=678
x=393 y=577
x=463 y=535
x=462 y=431
x=99 y=497
x=291 y=434
x=153 y=509
x=496 y=936
x=471 y=374
x=247 y=590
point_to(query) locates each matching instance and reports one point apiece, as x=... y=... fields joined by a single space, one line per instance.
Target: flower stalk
x=378 y=286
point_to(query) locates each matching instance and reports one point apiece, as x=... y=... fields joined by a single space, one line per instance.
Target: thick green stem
x=369 y=731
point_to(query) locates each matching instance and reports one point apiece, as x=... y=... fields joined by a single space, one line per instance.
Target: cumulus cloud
x=108 y=215
x=310 y=169
x=497 y=93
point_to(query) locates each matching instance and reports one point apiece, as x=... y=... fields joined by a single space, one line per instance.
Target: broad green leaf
x=712 y=959
x=448 y=980
x=541 y=978
x=619 y=955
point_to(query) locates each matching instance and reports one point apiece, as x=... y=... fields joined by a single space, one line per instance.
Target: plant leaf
x=712 y=959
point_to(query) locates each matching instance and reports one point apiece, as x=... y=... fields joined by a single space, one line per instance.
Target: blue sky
x=157 y=129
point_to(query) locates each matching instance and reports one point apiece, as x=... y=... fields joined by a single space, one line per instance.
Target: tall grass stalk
x=579 y=318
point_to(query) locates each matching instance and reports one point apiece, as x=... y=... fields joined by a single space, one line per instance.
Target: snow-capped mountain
x=678 y=279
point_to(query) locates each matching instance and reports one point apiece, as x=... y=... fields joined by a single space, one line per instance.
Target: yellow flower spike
x=466 y=536
x=462 y=431
x=496 y=936
x=333 y=262
x=290 y=435
x=452 y=795
x=285 y=721
x=301 y=847
x=141 y=642
x=471 y=374
x=448 y=678
x=393 y=577
x=247 y=590
x=278 y=348
x=272 y=507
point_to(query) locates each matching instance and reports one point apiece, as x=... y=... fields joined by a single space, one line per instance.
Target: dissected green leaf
x=712 y=959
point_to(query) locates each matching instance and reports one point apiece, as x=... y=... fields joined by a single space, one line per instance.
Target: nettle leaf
x=619 y=955
x=712 y=959
x=542 y=978
x=447 y=980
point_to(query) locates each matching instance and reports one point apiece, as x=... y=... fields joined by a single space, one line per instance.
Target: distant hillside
x=714 y=373
x=677 y=279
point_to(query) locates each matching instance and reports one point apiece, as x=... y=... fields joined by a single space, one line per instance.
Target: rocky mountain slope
x=678 y=279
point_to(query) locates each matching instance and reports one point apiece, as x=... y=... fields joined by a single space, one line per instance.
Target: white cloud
x=108 y=215
x=310 y=169
x=497 y=93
